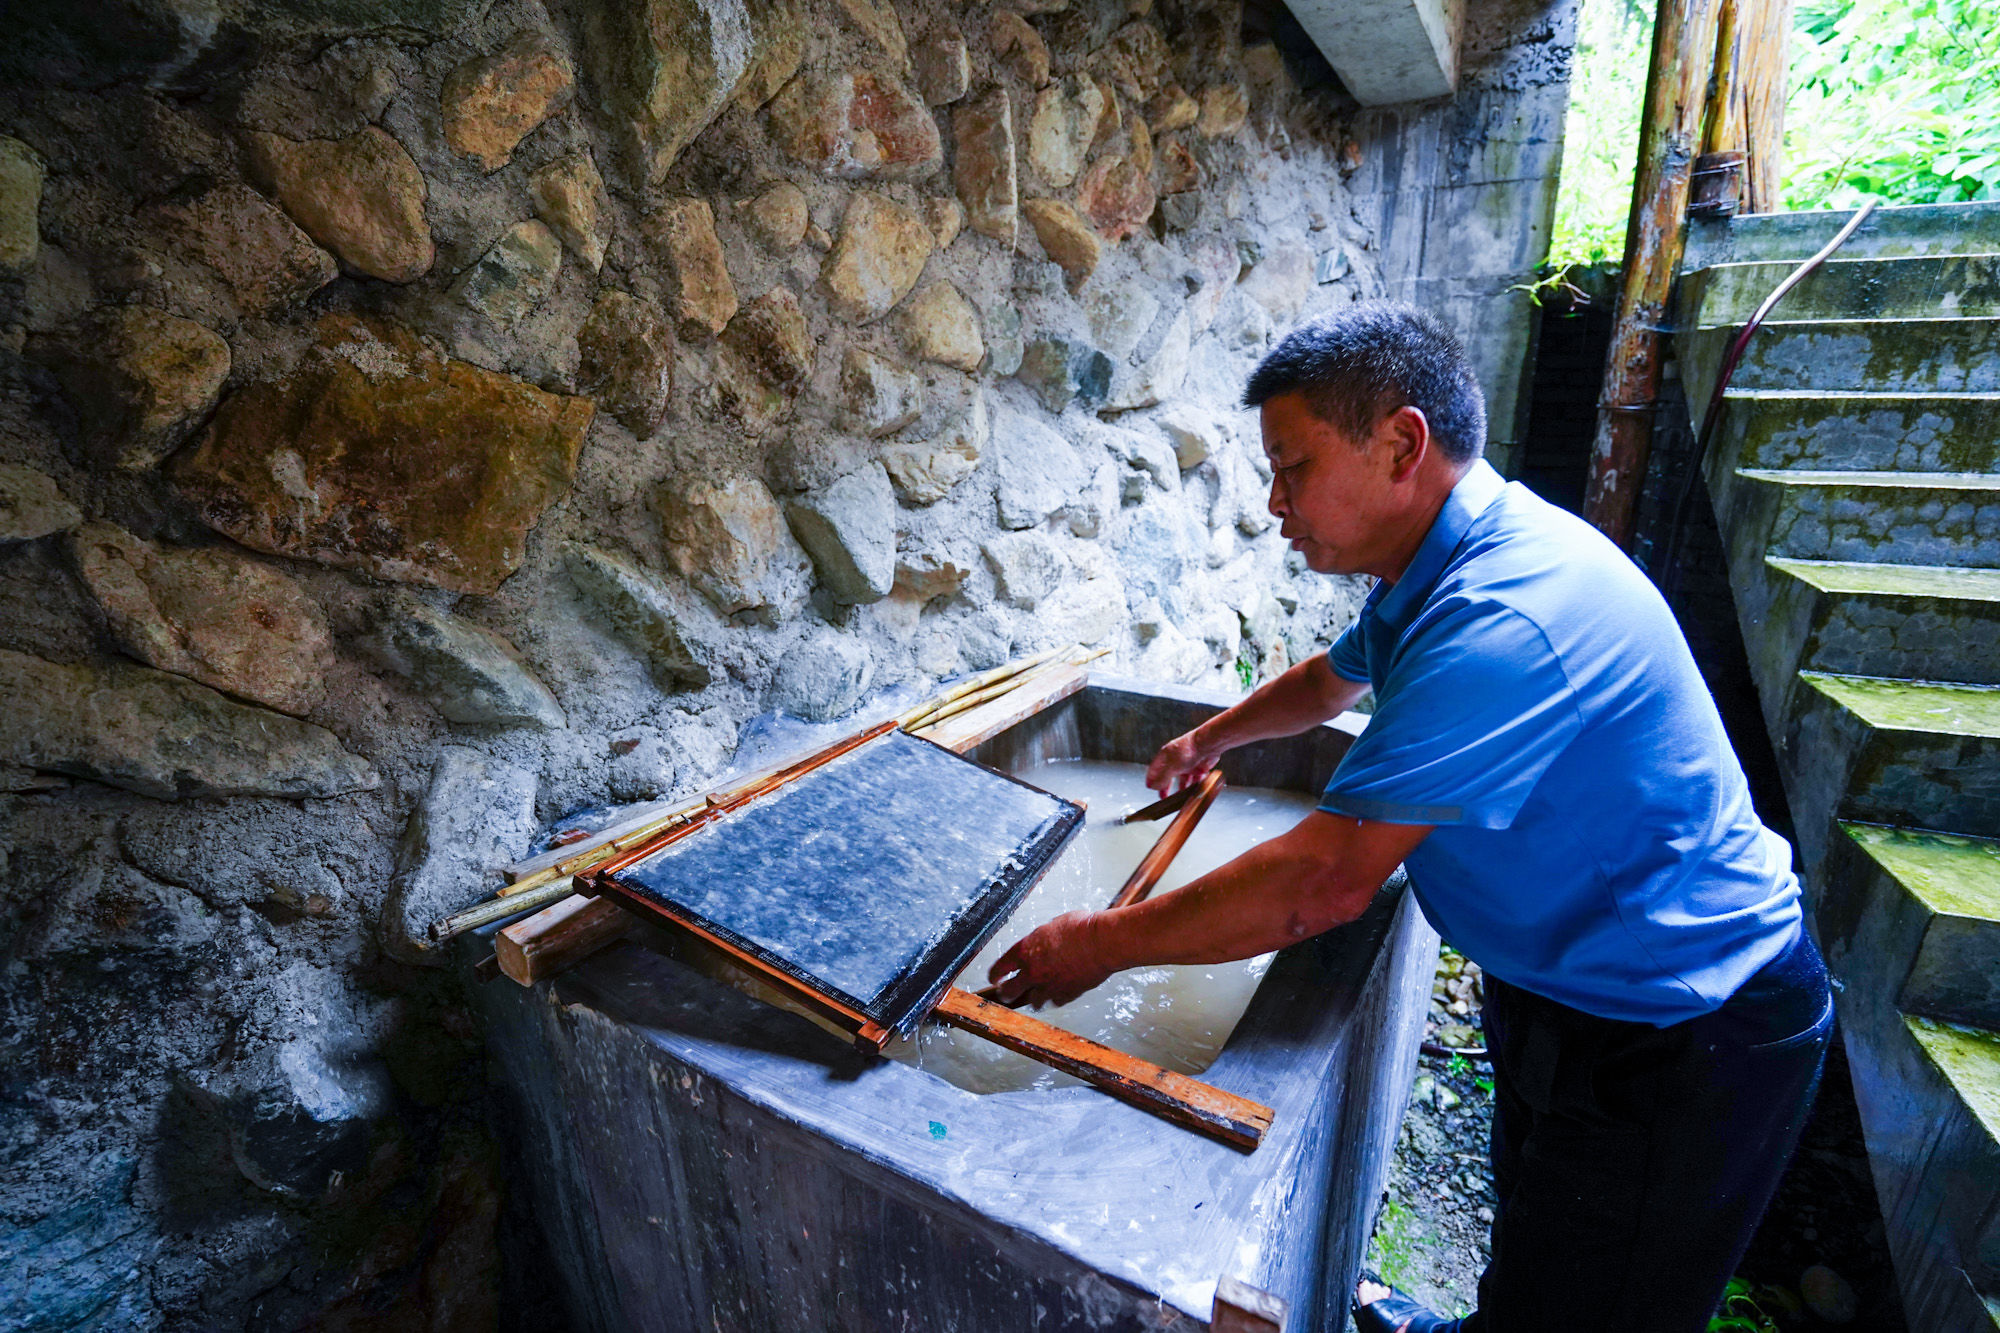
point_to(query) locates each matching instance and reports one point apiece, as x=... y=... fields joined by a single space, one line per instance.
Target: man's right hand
x=1179 y=763
x=1297 y=701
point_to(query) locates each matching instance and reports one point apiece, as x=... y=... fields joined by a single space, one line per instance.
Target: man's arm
x=1320 y=875
x=1297 y=701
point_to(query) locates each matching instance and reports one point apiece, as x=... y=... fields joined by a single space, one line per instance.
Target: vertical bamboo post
x=1669 y=133
x=1761 y=77
x=1722 y=122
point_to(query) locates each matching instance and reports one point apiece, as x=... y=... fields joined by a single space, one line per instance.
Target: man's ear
x=1407 y=432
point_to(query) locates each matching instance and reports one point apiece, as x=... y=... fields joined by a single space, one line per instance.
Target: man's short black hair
x=1357 y=365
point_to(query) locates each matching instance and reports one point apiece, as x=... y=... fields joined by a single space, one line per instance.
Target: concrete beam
x=1387 y=51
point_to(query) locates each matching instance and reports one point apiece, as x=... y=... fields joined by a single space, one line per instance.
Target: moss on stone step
x=1873 y=288
x=1969 y=1059
x=1951 y=875
x=1839 y=430
x=1865 y=579
x=1906 y=229
x=1907 y=705
x=1933 y=481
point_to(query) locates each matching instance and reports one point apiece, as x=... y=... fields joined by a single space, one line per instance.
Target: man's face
x=1338 y=498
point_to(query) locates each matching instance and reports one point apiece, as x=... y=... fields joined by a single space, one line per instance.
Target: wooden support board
x=965 y=730
x=1187 y=1102
x=1242 y=1308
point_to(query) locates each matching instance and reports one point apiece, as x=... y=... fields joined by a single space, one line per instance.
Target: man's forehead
x=1291 y=428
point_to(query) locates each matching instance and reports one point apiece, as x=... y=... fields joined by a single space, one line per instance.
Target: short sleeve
x=1349 y=655
x=1474 y=710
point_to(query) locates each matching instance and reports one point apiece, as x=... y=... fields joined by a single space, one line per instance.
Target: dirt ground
x=1431 y=1234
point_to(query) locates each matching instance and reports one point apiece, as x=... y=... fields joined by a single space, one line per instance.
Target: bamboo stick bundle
x=1075 y=655
x=499 y=909
x=921 y=715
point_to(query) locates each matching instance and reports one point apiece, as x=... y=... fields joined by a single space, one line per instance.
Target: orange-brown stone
x=857 y=124
x=360 y=197
x=376 y=453
x=1116 y=196
x=493 y=102
x=1178 y=172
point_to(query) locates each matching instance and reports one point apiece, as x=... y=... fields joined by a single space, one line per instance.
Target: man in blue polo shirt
x=1546 y=762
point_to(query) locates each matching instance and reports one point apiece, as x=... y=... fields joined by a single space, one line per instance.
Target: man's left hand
x=1054 y=963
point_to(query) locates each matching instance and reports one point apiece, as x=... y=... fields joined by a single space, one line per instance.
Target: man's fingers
x=1008 y=962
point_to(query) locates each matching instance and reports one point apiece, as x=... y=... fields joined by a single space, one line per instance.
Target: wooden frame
x=901 y=1005
x=551 y=941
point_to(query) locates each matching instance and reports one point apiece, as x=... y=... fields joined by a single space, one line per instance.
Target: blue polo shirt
x=1535 y=700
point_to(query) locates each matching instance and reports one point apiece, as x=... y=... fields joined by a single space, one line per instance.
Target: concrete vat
x=699 y=1160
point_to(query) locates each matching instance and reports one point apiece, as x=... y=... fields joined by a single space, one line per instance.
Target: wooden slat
x=1765 y=31
x=1186 y=1102
x=960 y=733
x=1162 y=853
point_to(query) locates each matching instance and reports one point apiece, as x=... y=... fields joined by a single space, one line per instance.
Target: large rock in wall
x=433 y=418
x=376 y=453
x=665 y=69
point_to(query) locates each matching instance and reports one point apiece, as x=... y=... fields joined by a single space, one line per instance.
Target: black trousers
x=1633 y=1163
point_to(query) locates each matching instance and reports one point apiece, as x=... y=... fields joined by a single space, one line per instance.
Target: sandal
x=1397 y=1311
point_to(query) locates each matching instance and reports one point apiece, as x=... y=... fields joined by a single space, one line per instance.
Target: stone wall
x=420 y=420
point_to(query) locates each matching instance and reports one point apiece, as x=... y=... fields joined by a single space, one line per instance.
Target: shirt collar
x=1478 y=488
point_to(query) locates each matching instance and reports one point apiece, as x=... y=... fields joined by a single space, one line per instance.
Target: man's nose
x=1279 y=504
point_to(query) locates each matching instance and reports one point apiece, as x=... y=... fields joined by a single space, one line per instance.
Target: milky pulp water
x=1178 y=1017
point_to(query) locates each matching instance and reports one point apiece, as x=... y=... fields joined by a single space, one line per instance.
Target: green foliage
x=1601 y=136
x=1246 y=667
x=1897 y=100
x=1457 y=1065
x=1395 y=1244
x=1484 y=1084
x=1893 y=99
x=1740 y=1312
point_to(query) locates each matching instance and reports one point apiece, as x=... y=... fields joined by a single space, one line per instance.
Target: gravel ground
x=1820 y=1253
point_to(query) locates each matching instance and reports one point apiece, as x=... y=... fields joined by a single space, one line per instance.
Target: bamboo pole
x=1075 y=655
x=921 y=714
x=498 y=909
x=1676 y=85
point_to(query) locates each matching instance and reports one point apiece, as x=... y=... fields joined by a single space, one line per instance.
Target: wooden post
x=1764 y=32
x=1722 y=121
x=1669 y=134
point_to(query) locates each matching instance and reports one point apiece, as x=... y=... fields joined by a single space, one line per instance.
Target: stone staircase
x=1856 y=481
